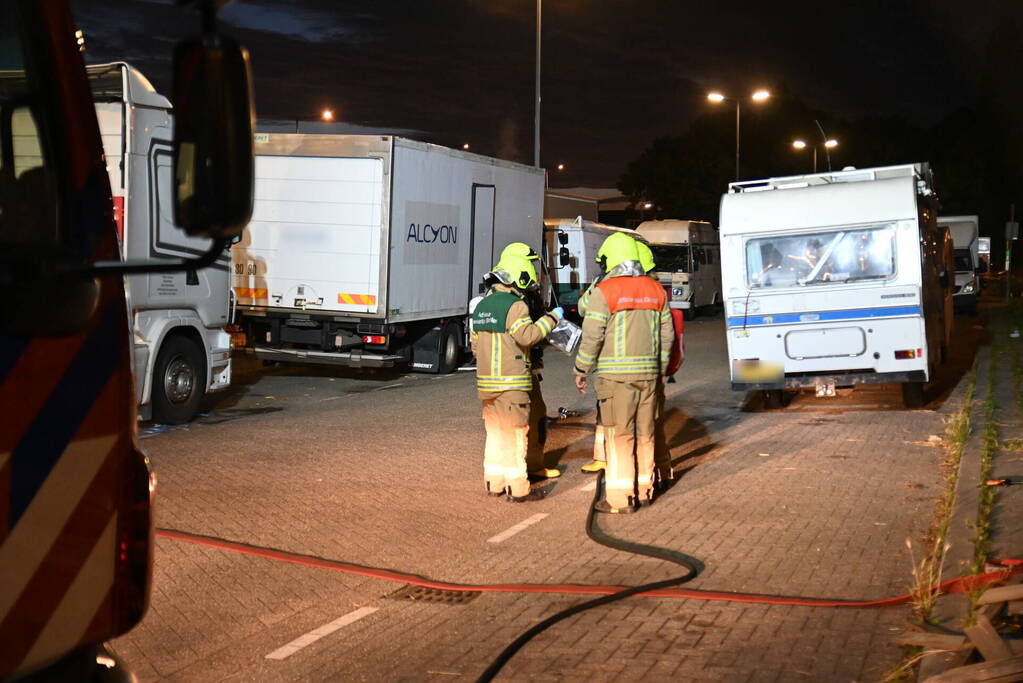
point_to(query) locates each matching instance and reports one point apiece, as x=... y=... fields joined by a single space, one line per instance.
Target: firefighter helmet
x=616 y=250
x=520 y=249
x=646 y=256
x=516 y=271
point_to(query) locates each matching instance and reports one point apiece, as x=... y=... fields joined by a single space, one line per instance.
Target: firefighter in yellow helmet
x=502 y=334
x=537 y=406
x=627 y=336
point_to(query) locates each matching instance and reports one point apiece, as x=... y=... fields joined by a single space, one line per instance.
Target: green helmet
x=616 y=250
x=516 y=271
x=646 y=256
x=520 y=249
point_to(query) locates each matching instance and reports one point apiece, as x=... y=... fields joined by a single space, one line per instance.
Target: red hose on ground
x=963 y=584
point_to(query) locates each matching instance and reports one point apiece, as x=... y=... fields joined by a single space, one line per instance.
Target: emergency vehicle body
x=365 y=250
x=582 y=239
x=835 y=279
x=966 y=242
x=688 y=255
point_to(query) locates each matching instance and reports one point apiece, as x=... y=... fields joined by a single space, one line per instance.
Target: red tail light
x=374 y=339
x=906 y=354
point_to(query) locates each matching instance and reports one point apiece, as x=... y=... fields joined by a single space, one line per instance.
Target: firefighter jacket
x=502 y=336
x=627 y=330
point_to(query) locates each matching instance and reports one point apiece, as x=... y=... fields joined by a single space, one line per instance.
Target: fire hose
x=667 y=588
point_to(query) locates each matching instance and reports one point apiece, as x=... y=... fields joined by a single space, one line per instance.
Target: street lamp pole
x=717 y=98
x=738 y=106
x=536 y=121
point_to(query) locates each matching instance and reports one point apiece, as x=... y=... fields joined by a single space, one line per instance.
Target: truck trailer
x=687 y=255
x=836 y=279
x=965 y=232
x=365 y=250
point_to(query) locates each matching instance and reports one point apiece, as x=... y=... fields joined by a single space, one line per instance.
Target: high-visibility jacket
x=502 y=336
x=627 y=330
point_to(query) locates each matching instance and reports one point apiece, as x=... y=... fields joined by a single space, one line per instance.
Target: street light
x=829 y=143
x=466 y=147
x=717 y=98
x=561 y=167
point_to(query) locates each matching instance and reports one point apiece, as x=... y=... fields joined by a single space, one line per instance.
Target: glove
x=560 y=312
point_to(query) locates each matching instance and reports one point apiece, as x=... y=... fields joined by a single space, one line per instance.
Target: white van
x=966 y=242
x=836 y=279
x=687 y=256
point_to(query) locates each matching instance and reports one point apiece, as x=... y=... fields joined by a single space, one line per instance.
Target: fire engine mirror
x=30 y=274
x=213 y=122
x=564 y=256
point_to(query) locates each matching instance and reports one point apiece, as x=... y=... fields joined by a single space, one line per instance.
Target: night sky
x=615 y=74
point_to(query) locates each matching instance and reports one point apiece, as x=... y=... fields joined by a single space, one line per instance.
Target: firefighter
x=537 y=407
x=599 y=453
x=502 y=335
x=627 y=337
x=663 y=470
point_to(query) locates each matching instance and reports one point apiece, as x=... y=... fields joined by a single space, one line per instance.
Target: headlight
x=968 y=288
x=677 y=291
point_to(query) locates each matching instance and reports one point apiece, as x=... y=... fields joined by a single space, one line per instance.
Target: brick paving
x=815 y=499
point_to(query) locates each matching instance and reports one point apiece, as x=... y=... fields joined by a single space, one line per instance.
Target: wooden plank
x=1001 y=594
x=984 y=636
x=1004 y=671
x=932 y=641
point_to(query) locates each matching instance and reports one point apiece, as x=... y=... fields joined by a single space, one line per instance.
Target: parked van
x=688 y=257
x=836 y=279
x=966 y=242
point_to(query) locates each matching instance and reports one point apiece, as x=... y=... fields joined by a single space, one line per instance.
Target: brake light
x=909 y=353
x=374 y=339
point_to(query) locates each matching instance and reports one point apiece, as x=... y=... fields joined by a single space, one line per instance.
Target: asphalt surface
x=384 y=469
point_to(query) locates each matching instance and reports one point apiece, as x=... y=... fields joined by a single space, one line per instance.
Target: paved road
x=384 y=469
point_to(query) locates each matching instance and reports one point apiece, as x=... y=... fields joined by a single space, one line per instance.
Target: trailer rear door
x=314 y=239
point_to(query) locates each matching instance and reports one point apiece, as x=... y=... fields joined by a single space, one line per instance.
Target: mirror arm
x=138 y=267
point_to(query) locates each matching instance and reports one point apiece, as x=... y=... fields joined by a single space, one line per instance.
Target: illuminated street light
x=466 y=147
x=831 y=144
x=561 y=167
x=757 y=96
x=798 y=144
x=80 y=40
x=327 y=115
x=648 y=205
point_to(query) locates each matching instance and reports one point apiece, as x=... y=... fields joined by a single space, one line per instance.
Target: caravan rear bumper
x=810 y=380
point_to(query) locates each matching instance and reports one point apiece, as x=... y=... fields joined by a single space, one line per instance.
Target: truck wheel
x=449 y=352
x=913 y=395
x=179 y=381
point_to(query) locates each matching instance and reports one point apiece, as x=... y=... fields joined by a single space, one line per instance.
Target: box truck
x=181 y=350
x=688 y=258
x=570 y=254
x=365 y=250
x=836 y=279
x=965 y=232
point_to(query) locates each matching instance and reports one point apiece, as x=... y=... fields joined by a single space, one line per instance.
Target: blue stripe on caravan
x=72 y=399
x=822 y=316
x=11 y=349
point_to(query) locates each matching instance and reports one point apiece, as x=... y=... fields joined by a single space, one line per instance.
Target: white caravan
x=688 y=258
x=181 y=348
x=966 y=242
x=835 y=279
x=570 y=252
x=365 y=250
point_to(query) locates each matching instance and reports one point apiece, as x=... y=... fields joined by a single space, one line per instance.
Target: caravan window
x=837 y=256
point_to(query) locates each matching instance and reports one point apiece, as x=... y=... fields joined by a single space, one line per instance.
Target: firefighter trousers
x=663 y=470
x=537 y=436
x=506 y=418
x=627 y=411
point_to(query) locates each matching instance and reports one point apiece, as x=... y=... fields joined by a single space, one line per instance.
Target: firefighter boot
x=607 y=508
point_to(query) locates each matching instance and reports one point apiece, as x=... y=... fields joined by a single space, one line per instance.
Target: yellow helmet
x=646 y=256
x=616 y=250
x=516 y=271
x=520 y=249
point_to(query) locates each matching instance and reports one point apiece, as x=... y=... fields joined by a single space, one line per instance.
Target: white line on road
x=325 y=630
x=390 y=386
x=508 y=533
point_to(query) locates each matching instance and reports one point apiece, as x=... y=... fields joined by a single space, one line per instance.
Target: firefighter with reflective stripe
x=502 y=335
x=627 y=338
x=537 y=406
x=663 y=470
x=599 y=452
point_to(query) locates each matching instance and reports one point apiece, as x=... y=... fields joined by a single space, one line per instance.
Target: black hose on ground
x=691 y=565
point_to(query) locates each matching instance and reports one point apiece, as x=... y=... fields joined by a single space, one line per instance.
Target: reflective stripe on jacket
x=627 y=330
x=502 y=357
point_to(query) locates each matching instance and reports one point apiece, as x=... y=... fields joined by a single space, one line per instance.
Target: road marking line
x=508 y=533
x=325 y=630
x=391 y=386
x=588 y=487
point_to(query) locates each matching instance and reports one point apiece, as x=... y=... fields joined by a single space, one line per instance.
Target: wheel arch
x=161 y=330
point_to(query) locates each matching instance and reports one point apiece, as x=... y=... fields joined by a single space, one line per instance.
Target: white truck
x=181 y=350
x=966 y=242
x=836 y=279
x=365 y=250
x=570 y=252
x=688 y=258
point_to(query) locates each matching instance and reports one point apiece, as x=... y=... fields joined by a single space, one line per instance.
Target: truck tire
x=179 y=381
x=913 y=395
x=449 y=351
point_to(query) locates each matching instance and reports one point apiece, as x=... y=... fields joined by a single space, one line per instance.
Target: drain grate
x=443 y=597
